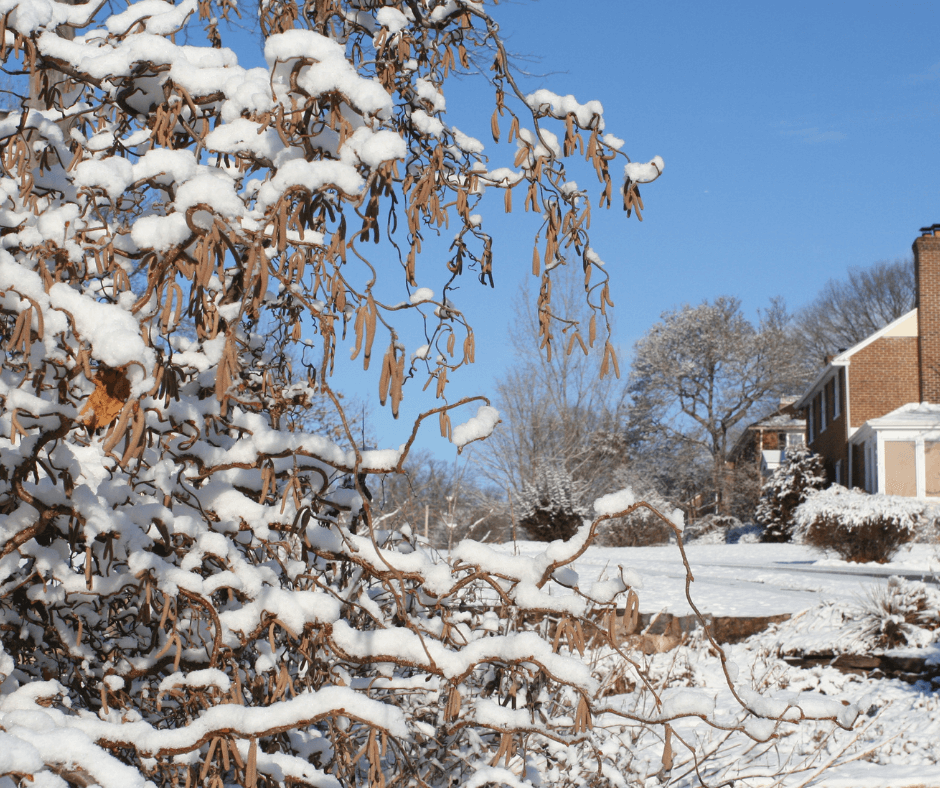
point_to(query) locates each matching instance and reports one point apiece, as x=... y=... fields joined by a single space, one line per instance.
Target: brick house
x=764 y=443
x=873 y=412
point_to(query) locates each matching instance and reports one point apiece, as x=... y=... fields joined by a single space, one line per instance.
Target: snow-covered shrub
x=858 y=526
x=798 y=476
x=712 y=529
x=550 y=505
x=899 y=613
x=642 y=527
x=745 y=533
x=194 y=590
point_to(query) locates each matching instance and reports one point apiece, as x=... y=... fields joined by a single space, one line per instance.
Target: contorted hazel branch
x=194 y=589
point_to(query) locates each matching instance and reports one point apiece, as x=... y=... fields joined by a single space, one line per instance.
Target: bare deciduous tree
x=557 y=409
x=442 y=500
x=701 y=371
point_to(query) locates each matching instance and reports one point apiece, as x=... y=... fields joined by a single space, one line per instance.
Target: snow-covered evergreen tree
x=551 y=505
x=799 y=474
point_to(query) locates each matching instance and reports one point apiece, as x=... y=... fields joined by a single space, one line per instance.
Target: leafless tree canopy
x=194 y=588
x=561 y=418
x=701 y=371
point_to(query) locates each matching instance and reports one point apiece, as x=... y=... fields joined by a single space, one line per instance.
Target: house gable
x=883 y=376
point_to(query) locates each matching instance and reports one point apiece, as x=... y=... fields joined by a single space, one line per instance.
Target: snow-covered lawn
x=896 y=740
x=743 y=579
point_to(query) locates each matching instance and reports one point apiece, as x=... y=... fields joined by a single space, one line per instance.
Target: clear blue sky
x=799 y=139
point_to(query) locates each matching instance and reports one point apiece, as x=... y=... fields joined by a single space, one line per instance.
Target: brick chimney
x=927 y=277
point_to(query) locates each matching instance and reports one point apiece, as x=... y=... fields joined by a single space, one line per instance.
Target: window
x=836 y=399
x=822 y=410
x=900 y=468
x=809 y=422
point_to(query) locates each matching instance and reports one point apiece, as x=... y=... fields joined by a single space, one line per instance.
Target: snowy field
x=895 y=742
x=743 y=579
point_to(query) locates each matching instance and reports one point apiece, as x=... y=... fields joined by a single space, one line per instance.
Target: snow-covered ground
x=743 y=579
x=895 y=742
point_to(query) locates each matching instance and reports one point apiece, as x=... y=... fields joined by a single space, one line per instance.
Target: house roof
x=922 y=416
x=914 y=412
x=843 y=358
x=779 y=421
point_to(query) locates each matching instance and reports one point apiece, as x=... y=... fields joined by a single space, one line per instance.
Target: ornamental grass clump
x=861 y=528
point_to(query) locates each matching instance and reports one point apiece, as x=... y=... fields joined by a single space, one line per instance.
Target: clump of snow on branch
x=477 y=428
x=644 y=173
x=615 y=502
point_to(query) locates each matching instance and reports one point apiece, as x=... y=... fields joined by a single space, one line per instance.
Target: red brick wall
x=927 y=268
x=883 y=377
x=832 y=443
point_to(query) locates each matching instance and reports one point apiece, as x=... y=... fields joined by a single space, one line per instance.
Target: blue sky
x=799 y=139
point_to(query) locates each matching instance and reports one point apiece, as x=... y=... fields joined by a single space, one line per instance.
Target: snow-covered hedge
x=858 y=526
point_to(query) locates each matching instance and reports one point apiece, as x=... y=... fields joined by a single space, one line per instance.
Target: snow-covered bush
x=643 y=526
x=898 y=613
x=712 y=529
x=550 y=505
x=745 y=533
x=798 y=476
x=193 y=589
x=858 y=526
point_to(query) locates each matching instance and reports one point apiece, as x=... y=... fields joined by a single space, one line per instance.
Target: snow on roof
x=779 y=421
x=925 y=412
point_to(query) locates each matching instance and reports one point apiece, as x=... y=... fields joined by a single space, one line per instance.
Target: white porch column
x=880 y=457
x=920 y=467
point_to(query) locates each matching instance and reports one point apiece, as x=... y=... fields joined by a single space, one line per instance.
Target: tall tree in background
x=700 y=372
x=848 y=310
x=557 y=411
